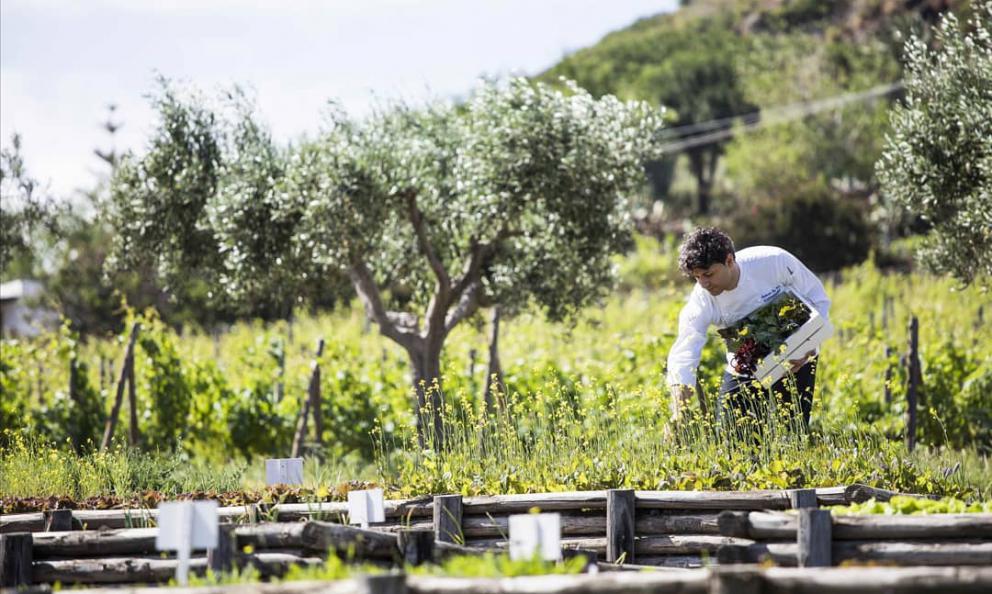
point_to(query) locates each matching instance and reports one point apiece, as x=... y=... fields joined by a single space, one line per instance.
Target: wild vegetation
x=592 y=390
x=519 y=202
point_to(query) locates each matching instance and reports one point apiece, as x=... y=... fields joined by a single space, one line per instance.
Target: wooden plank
x=114 y=519
x=667 y=522
x=718 y=500
x=303 y=587
x=814 y=538
x=95 y=543
x=476 y=526
x=908 y=553
x=324 y=536
x=399 y=509
x=141 y=541
x=28 y=522
x=620 y=525
x=444 y=550
x=149 y=569
x=448 y=512
x=614 y=582
x=774 y=525
x=112 y=570
x=872 y=580
x=674 y=561
x=397 y=527
x=515 y=504
x=974 y=552
x=644 y=545
x=270 y=535
x=15 y=559
x=936 y=526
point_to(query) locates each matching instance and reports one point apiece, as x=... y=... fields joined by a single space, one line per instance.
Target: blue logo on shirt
x=771 y=294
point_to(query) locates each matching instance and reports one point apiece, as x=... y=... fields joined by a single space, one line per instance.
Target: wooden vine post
x=126 y=376
x=312 y=403
x=888 y=375
x=912 y=395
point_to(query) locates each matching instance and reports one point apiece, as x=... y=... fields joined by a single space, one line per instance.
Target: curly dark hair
x=703 y=248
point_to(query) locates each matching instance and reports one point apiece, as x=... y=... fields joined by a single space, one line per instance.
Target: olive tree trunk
x=426 y=367
x=455 y=298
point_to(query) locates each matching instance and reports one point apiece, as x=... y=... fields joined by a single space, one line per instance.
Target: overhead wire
x=726 y=127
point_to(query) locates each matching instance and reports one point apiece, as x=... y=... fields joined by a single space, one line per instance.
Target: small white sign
x=284 y=471
x=535 y=534
x=366 y=507
x=184 y=526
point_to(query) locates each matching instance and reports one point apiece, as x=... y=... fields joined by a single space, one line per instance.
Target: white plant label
x=184 y=526
x=535 y=534
x=284 y=471
x=366 y=507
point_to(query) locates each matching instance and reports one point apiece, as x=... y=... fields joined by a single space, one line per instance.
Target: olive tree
x=515 y=197
x=24 y=210
x=937 y=162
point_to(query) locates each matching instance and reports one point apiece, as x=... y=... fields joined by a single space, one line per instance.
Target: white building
x=21 y=311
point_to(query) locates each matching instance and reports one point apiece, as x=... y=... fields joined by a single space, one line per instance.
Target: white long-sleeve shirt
x=766 y=271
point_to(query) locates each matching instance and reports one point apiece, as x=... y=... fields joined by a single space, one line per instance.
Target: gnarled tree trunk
x=426 y=366
x=495 y=373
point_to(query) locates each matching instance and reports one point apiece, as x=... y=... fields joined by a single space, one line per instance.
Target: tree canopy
x=938 y=159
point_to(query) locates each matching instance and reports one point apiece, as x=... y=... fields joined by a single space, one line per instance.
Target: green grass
x=29 y=468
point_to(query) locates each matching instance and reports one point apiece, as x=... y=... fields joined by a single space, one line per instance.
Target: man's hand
x=797 y=364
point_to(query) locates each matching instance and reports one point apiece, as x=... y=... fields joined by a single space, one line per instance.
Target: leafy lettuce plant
x=763 y=331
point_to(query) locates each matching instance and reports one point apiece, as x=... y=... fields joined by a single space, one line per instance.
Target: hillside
x=717 y=59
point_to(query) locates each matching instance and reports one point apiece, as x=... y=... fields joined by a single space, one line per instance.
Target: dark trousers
x=743 y=400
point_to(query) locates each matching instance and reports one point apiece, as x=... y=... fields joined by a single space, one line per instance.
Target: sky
x=63 y=61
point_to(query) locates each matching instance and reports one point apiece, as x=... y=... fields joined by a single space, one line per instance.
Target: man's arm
x=683 y=359
x=793 y=273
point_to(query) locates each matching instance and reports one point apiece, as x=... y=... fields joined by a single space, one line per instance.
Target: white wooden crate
x=807 y=338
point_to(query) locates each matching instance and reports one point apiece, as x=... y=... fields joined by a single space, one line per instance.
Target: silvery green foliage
x=555 y=170
x=534 y=177
x=158 y=202
x=199 y=201
x=23 y=213
x=938 y=160
x=515 y=196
